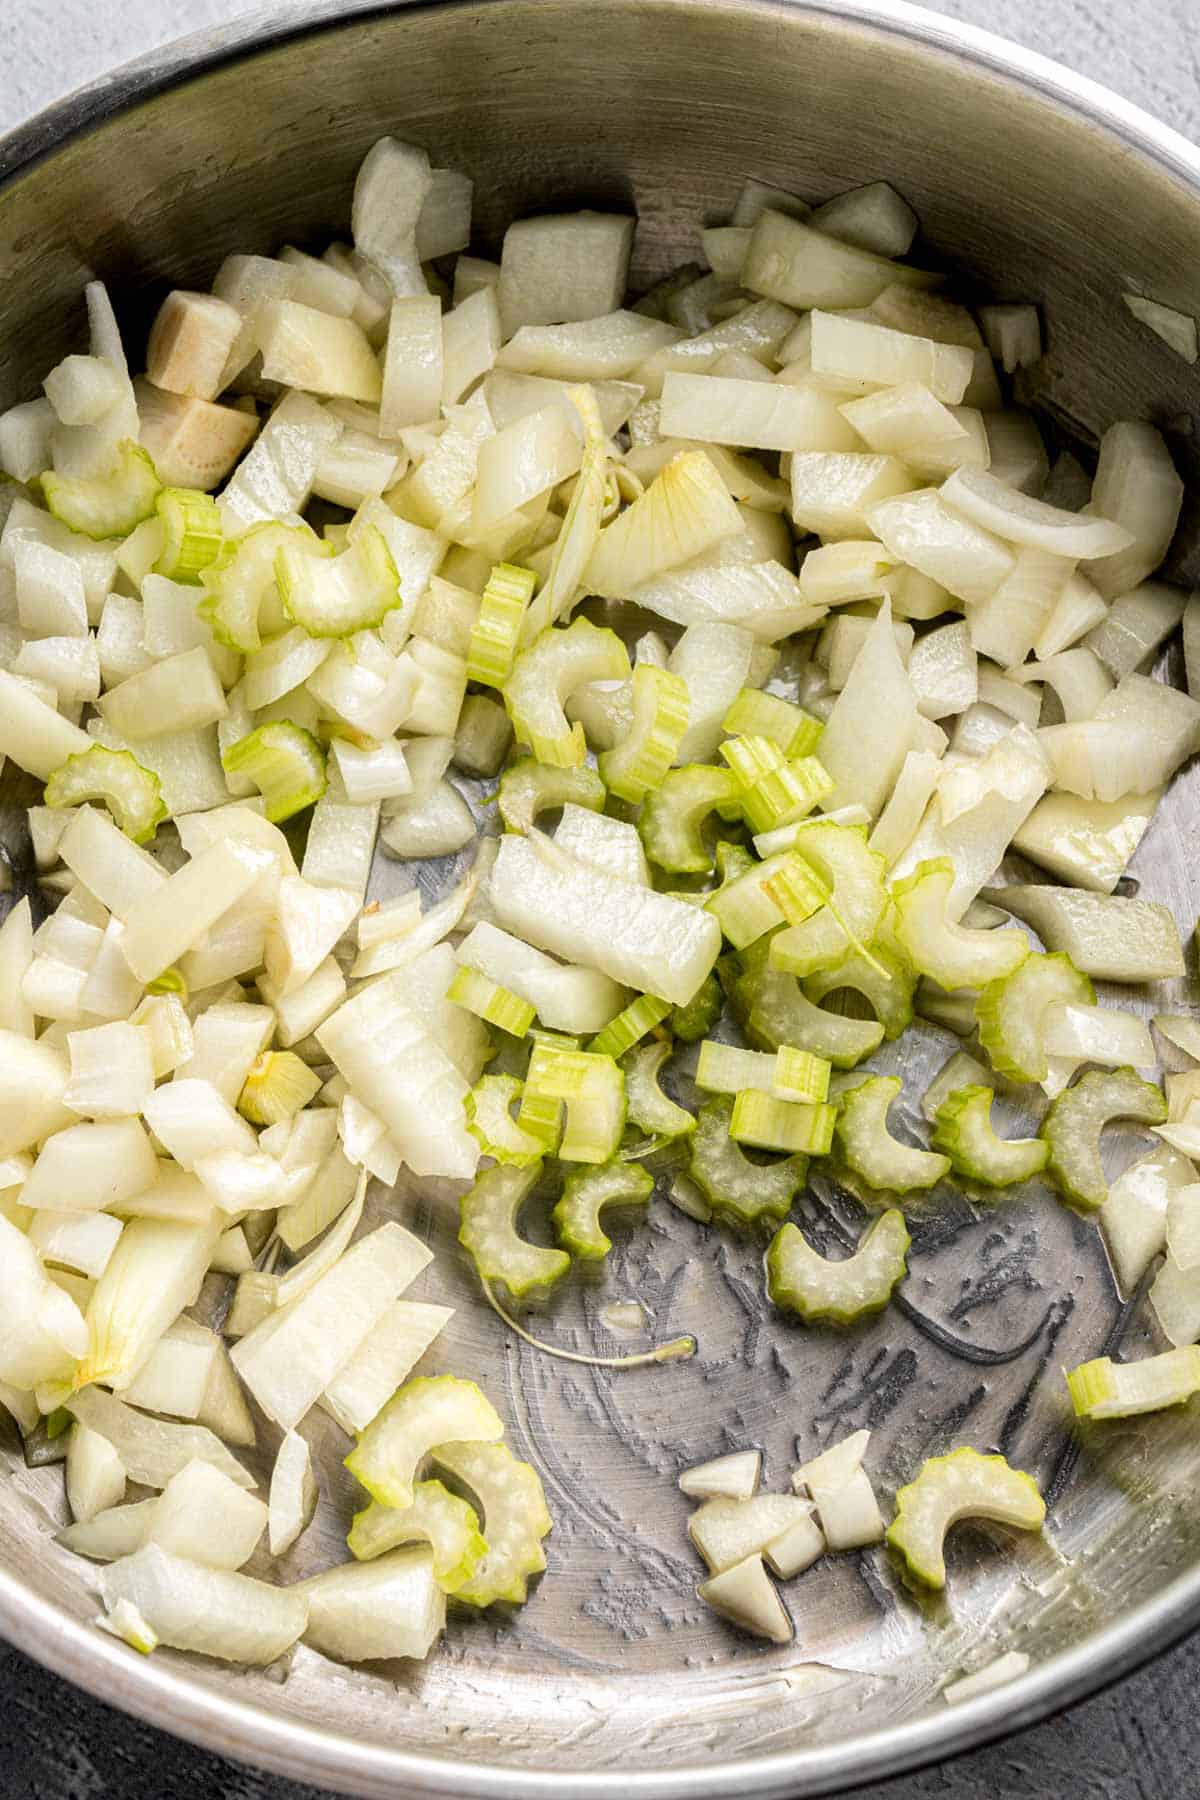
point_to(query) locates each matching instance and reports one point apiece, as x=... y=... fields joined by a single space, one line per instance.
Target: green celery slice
x=755 y=714
x=333 y=597
x=740 y=1192
x=639 y=763
x=871 y=1151
x=497 y=628
x=545 y=676
x=489 y=1231
x=192 y=538
x=132 y=794
x=672 y=817
x=630 y=1026
x=285 y=763
x=1104 y=1389
x=884 y=980
x=106 y=506
x=776 y=1011
x=531 y=787
x=697 y=1018
x=586 y=1193
x=647 y=1106
x=953 y=955
x=436 y=1517
x=963 y=1131
x=1011 y=1011
x=1072 y=1129
x=515 y=1519
x=962 y=1485
x=853 y=875
x=491 y=1123
x=427 y=1411
x=242 y=580
x=816 y=1288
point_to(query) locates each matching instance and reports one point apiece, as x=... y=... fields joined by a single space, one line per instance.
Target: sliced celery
x=515 y=1519
x=132 y=794
x=673 y=815
x=277 y=1087
x=531 y=787
x=490 y=1122
x=659 y=719
x=883 y=979
x=750 y=757
x=962 y=1485
x=593 y=1088
x=491 y=1002
x=489 y=1231
x=285 y=763
x=647 y=1106
x=1103 y=1389
x=785 y=795
x=790 y=1074
x=577 y=1214
x=545 y=676
x=241 y=582
x=106 y=506
x=192 y=538
x=1011 y=1013
x=333 y=597
x=776 y=1011
x=870 y=1149
x=630 y=1027
x=496 y=631
x=756 y=714
x=1072 y=1129
x=436 y=1517
x=836 y=855
x=697 y=1018
x=766 y=1123
x=743 y=907
x=426 y=1412
x=816 y=1288
x=739 y=1191
x=963 y=1131
x=953 y=955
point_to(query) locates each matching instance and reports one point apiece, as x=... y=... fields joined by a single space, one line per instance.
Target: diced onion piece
x=293 y=1495
x=726 y=1531
x=746 y=1595
x=1019 y=519
x=1137 y=486
x=211 y=1611
x=685 y=512
x=1107 y=936
x=921 y=529
x=385 y=1359
x=206 y=1518
x=1176 y=329
x=732 y=1477
x=43 y=1331
x=152 y=1450
x=803 y=267
x=95 y=1474
x=962 y=1485
x=869 y=732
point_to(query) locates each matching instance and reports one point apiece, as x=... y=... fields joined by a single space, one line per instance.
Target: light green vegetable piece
x=871 y=1151
x=1072 y=1129
x=1105 y=935
x=192 y=537
x=132 y=794
x=953 y=955
x=776 y=1011
x=963 y=1131
x=1104 y=1389
x=240 y=595
x=531 y=787
x=586 y=1193
x=740 y=1192
x=546 y=675
x=428 y=1411
x=816 y=1288
x=1011 y=1011
x=515 y=1518
x=697 y=1018
x=489 y=1231
x=335 y=596
x=285 y=763
x=883 y=979
x=436 y=1517
x=963 y=1485
x=647 y=1106
x=106 y=506
x=637 y=765
x=853 y=874
x=491 y=1123
x=672 y=818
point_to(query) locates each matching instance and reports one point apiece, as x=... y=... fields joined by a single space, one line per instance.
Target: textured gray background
x=1139 y=1741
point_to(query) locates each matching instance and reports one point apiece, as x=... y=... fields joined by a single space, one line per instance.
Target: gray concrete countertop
x=1138 y=1741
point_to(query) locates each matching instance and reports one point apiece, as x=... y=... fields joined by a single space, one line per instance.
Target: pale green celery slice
x=132 y=794
x=790 y=1074
x=853 y=875
x=884 y=980
x=285 y=763
x=278 y=1086
x=333 y=597
x=192 y=538
x=776 y=1011
x=1072 y=1129
x=796 y=732
x=1104 y=1389
x=426 y=1412
x=531 y=787
x=545 y=676
x=740 y=1192
x=953 y=955
x=491 y=1123
x=767 y=1123
x=673 y=815
x=638 y=764
x=785 y=795
x=647 y=1106
x=962 y=1485
x=697 y=1018
x=816 y=1288
x=489 y=1231
x=742 y=906
x=106 y=506
x=871 y=1151
x=630 y=1026
x=1011 y=1013
x=490 y=1002
x=1105 y=935
x=241 y=582
x=436 y=1517
x=515 y=1518
x=496 y=631
x=585 y=1193
x=963 y=1131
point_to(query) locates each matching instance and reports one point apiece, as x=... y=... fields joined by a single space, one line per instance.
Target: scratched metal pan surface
x=1031 y=184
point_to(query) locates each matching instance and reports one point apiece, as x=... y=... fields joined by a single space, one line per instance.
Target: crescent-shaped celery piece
x=740 y=1192
x=697 y=1018
x=531 y=787
x=333 y=597
x=1104 y=1389
x=963 y=1131
x=491 y=1123
x=515 y=1518
x=285 y=763
x=585 y=1193
x=1011 y=1013
x=192 y=538
x=106 y=506
x=489 y=1231
x=426 y=1412
x=672 y=818
x=132 y=794
x=872 y=1152
x=962 y=1485
x=496 y=631
x=546 y=675
x=1075 y=1121
x=953 y=955
x=816 y=1288
x=776 y=1011
x=660 y=706
x=883 y=979
x=853 y=877
x=241 y=582
x=436 y=1517
x=646 y=1106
